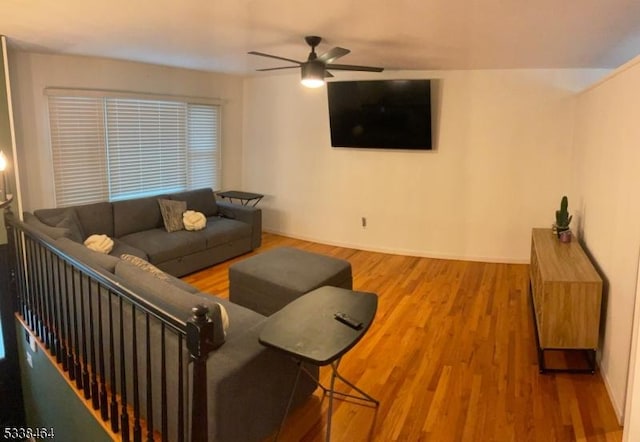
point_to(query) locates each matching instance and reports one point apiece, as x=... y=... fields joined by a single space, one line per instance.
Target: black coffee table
x=307 y=330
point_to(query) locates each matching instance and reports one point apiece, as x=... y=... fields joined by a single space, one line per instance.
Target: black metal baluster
x=20 y=270
x=124 y=416
x=50 y=292
x=55 y=342
x=38 y=291
x=95 y=399
x=180 y=390
x=37 y=271
x=112 y=370
x=137 y=430
x=62 y=353
x=42 y=267
x=17 y=268
x=31 y=319
x=29 y=278
x=163 y=381
x=37 y=318
x=76 y=339
x=104 y=407
x=83 y=320
x=149 y=381
x=70 y=363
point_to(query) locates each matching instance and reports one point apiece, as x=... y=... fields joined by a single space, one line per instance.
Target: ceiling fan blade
x=349 y=67
x=328 y=74
x=277 y=69
x=262 y=54
x=333 y=54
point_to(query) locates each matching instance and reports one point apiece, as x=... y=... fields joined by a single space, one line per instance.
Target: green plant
x=563 y=219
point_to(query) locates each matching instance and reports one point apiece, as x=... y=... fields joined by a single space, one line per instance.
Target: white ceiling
x=215 y=35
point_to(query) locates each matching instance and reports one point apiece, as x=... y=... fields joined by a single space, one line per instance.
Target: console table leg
x=365 y=396
x=293 y=390
x=331 y=391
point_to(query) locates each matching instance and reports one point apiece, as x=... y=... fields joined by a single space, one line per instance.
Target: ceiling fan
x=315 y=69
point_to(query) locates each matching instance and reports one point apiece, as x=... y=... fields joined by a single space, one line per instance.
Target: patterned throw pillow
x=172 y=214
x=145 y=265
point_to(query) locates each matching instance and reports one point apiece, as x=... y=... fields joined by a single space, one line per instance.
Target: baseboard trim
x=394 y=251
x=619 y=412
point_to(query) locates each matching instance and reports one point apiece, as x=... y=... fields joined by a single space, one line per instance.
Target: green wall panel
x=50 y=402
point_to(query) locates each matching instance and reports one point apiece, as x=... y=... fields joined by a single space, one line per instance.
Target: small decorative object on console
x=563 y=219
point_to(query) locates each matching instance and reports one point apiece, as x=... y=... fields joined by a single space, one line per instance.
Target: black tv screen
x=386 y=114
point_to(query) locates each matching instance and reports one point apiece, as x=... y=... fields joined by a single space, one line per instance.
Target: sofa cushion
x=172 y=211
x=136 y=215
x=96 y=218
x=66 y=218
x=168 y=297
x=154 y=271
x=222 y=230
x=120 y=248
x=161 y=246
x=85 y=255
x=200 y=200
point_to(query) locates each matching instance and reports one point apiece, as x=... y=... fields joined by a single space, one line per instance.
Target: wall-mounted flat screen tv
x=380 y=114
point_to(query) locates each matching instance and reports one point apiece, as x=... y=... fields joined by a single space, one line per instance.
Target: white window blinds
x=78 y=148
x=146 y=147
x=112 y=148
x=201 y=136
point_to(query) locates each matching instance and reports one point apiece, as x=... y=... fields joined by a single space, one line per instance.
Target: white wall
x=32 y=73
x=503 y=143
x=607 y=183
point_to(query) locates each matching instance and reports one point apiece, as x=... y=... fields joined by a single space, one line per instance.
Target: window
x=108 y=147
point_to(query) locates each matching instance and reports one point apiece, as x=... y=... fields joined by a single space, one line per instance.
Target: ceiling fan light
x=312 y=82
x=312 y=74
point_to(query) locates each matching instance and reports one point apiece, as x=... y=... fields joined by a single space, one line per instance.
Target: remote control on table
x=348 y=320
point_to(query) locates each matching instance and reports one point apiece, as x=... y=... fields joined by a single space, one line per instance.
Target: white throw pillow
x=99 y=243
x=193 y=220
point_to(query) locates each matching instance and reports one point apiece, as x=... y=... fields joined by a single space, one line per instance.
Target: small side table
x=244 y=197
x=306 y=329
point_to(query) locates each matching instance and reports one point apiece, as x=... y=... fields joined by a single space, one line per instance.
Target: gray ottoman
x=267 y=282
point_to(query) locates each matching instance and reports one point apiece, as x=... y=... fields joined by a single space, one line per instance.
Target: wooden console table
x=567 y=294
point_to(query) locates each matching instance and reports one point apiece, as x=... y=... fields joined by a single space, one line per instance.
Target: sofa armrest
x=245 y=214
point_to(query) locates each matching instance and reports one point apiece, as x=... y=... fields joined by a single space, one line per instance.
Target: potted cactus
x=563 y=219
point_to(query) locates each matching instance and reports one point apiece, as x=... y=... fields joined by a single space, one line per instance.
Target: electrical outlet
x=364 y=222
x=29 y=360
x=32 y=343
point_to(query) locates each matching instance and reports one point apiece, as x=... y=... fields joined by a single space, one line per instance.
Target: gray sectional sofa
x=248 y=385
x=137 y=228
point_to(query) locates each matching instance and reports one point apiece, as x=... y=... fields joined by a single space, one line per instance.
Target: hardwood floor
x=451 y=356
